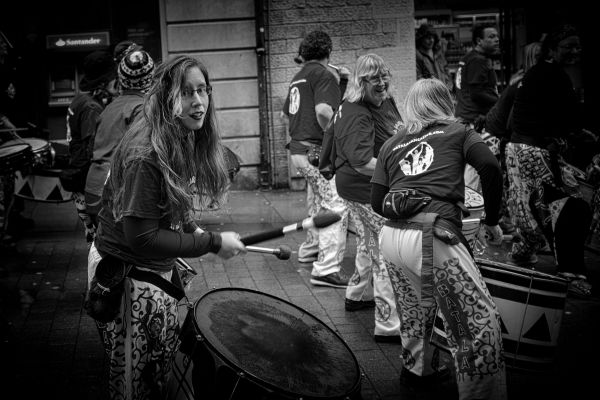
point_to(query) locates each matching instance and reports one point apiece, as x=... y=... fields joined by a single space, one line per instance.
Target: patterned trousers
x=471 y=319
x=88 y=223
x=327 y=244
x=532 y=206
x=370 y=279
x=142 y=341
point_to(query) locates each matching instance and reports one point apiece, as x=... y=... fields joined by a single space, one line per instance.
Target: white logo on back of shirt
x=294 y=101
x=418 y=160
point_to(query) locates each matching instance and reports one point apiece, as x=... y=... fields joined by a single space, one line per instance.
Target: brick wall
x=356 y=27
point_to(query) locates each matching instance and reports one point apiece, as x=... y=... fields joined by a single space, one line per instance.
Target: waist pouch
x=404 y=203
x=314 y=154
x=103 y=299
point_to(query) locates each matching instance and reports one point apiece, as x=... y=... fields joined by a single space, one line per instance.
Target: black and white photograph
x=299 y=200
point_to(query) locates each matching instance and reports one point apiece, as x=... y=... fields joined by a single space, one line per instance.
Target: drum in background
x=531 y=306
x=471 y=224
x=42 y=151
x=15 y=157
x=43 y=186
x=247 y=344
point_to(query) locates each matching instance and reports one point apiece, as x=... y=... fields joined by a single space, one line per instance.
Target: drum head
x=8 y=149
x=473 y=199
x=276 y=343
x=36 y=144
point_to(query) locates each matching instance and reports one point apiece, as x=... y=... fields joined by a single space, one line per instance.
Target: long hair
x=531 y=55
x=191 y=162
x=367 y=66
x=427 y=102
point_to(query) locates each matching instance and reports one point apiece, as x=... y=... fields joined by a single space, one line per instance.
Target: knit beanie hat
x=136 y=70
x=124 y=47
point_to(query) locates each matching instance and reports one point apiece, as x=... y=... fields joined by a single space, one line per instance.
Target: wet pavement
x=51 y=348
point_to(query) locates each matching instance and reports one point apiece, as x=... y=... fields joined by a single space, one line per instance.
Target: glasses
x=385 y=78
x=202 y=91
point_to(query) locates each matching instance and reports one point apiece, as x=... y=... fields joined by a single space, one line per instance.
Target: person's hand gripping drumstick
x=231 y=245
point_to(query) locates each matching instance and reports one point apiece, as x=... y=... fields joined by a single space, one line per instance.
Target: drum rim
x=517 y=269
x=257 y=380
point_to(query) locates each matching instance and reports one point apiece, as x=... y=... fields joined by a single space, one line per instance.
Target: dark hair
x=478 y=31
x=555 y=36
x=423 y=31
x=315 y=46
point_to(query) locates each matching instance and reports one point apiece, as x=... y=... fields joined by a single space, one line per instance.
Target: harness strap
x=169 y=288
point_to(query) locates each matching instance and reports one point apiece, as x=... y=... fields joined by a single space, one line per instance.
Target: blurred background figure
x=429 y=55
x=544 y=197
x=83 y=115
x=135 y=74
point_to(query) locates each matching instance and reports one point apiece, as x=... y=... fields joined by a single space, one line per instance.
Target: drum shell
x=472 y=223
x=531 y=306
x=43 y=186
x=43 y=153
x=232 y=361
x=15 y=157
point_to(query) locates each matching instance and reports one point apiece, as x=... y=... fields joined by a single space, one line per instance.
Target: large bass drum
x=244 y=344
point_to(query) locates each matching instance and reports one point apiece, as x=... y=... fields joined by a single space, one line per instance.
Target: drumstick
x=283 y=252
x=318 y=221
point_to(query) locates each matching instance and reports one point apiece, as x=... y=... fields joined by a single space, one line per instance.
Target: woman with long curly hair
x=169 y=162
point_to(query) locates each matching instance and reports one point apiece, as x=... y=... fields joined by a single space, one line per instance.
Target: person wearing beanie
x=313 y=96
x=135 y=73
x=96 y=90
x=123 y=48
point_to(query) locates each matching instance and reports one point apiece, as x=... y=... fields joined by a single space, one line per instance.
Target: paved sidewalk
x=51 y=349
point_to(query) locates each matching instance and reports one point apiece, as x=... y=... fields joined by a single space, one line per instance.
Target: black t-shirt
x=312 y=85
x=360 y=130
x=545 y=105
x=144 y=197
x=431 y=161
x=476 y=86
x=83 y=116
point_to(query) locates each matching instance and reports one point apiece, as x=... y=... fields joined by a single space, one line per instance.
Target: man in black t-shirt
x=313 y=96
x=477 y=89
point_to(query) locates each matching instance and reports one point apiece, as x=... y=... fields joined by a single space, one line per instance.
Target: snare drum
x=15 y=157
x=471 y=224
x=42 y=151
x=247 y=344
x=531 y=306
x=43 y=186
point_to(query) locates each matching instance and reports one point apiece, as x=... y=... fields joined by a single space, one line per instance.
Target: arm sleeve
x=89 y=122
x=145 y=237
x=484 y=161
x=377 y=194
x=286 y=106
